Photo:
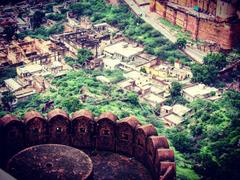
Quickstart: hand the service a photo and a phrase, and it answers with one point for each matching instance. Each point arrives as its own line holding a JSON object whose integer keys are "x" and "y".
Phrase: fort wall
{"x": 83, "y": 131}
{"x": 223, "y": 31}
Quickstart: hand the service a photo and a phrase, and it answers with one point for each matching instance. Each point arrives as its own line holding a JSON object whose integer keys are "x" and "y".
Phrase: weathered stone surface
{"x": 111, "y": 166}
{"x": 126, "y": 136}
{"x": 50, "y": 161}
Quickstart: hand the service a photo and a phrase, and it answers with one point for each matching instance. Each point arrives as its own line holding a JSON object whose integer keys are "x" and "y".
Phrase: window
{"x": 12, "y": 134}
{"x": 58, "y": 130}
{"x": 124, "y": 136}
{"x": 139, "y": 143}
{"x": 35, "y": 131}
{"x": 82, "y": 130}
{"x": 106, "y": 132}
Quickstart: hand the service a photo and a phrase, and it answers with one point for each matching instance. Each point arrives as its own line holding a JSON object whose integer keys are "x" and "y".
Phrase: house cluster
{"x": 34, "y": 78}
{"x": 35, "y": 60}
{"x": 39, "y": 60}
{"x": 15, "y": 15}
{"x": 151, "y": 79}
{"x": 84, "y": 35}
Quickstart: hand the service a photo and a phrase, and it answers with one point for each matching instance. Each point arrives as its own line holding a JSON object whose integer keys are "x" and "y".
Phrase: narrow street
{"x": 153, "y": 19}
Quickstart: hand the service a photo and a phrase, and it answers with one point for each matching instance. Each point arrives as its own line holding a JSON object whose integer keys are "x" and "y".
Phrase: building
{"x": 12, "y": 85}
{"x": 103, "y": 79}
{"x": 166, "y": 71}
{"x": 122, "y": 51}
{"x": 173, "y": 115}
{"x": 153, "y": 99}
{"x": 110, "y": 64}
{"x": 199, "y": 91}
{"x": 209, "y": 20}
{"x": 29, "y": 70}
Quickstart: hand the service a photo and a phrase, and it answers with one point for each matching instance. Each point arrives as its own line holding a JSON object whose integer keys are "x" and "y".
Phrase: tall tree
{"x": 181, "y": 43}
{"x": 10, "y": 32}
{"x": 7, "y": 100}
{"x": 176, "y": 89}
{"x": 83, "y": 55}
{"x": 37, "y": 19}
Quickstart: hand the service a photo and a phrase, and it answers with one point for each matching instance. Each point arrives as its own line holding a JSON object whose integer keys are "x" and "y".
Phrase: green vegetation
{"x": 181, "y": 43}
{"x": 210, "y": 137}
{"x": 175, "y": 95}
{"x": 133, "y": 28}
{"x": 56, "y": 17}
{"x": 7, "y": 100}
{"x": 49, "y": 7}
{"x": 43, "y": 32}
{"x": 82, "y": 57}
{"x": 6, "y": 73}
{"x": 180, "y": 33}
{"x": 37, "y": 19}
{"x": 207, "y": 73}
{"x": 10, "y": 32}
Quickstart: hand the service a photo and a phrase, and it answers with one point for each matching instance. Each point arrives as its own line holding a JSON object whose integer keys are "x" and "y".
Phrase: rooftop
{"x": 199, "y": 90}
{"x": 30, "y": 68}
{"x": 12, "y": 84}
{"x": 124, "y": 49}
{"x": 173, "y": 119}
{"x": 153, "y": 99}
{"x": 180, "y": 110}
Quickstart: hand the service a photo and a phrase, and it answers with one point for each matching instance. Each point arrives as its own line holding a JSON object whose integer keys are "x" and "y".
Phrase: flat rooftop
{"x": 173, "y": 119}
{"x": 31, "y": 68}
{"x": 180, "y": 110}
{"x": 12, "y": 84}
{"x": 124, "y": 49}
{"x": 199, "y": 89}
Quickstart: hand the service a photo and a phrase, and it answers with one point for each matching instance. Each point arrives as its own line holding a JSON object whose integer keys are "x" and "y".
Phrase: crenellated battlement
{"x": 84, "y": 131}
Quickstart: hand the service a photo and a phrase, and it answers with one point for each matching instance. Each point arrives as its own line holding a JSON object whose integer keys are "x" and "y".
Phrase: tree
{"x": 7, "y": 100}
{"x": 208, "y": 72}
{"x": 176, "y": 89}
{"x": 83, "y": 55}
{"x": 10, "y": 32}
{"x": 181, "y": 43}
{"x": 37, "y": 19}
{"x": 56, "y": 17}
{"x": 218, "y": 60}
{"x": 132, "y": 98}
{"x": 143, "y": 69}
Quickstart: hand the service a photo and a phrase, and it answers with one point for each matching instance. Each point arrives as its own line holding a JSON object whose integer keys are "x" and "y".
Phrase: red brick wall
{"x": 181, "y": 19}
{"x": 171, "y": 15}
{"x": 125, "y": 137}
{"x": 226, "y": 35}
{"x": 192, "y": 25}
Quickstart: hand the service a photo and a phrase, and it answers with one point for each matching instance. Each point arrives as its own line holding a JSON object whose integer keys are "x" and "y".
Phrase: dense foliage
{"x": 175, "y": 95}
{"x": 37, "y": 19}
{"x": 210, "y": 137}
{"x": 56, "y": 17}
{"x": 7, "y": 72}
{"x": 43, "y": 32}
{"x": 207, "y": 73}
{"x": 80, "y": 90}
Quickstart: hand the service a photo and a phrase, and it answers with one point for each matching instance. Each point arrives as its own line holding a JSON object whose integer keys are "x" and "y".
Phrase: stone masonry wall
{"x": 82, "y": 130}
